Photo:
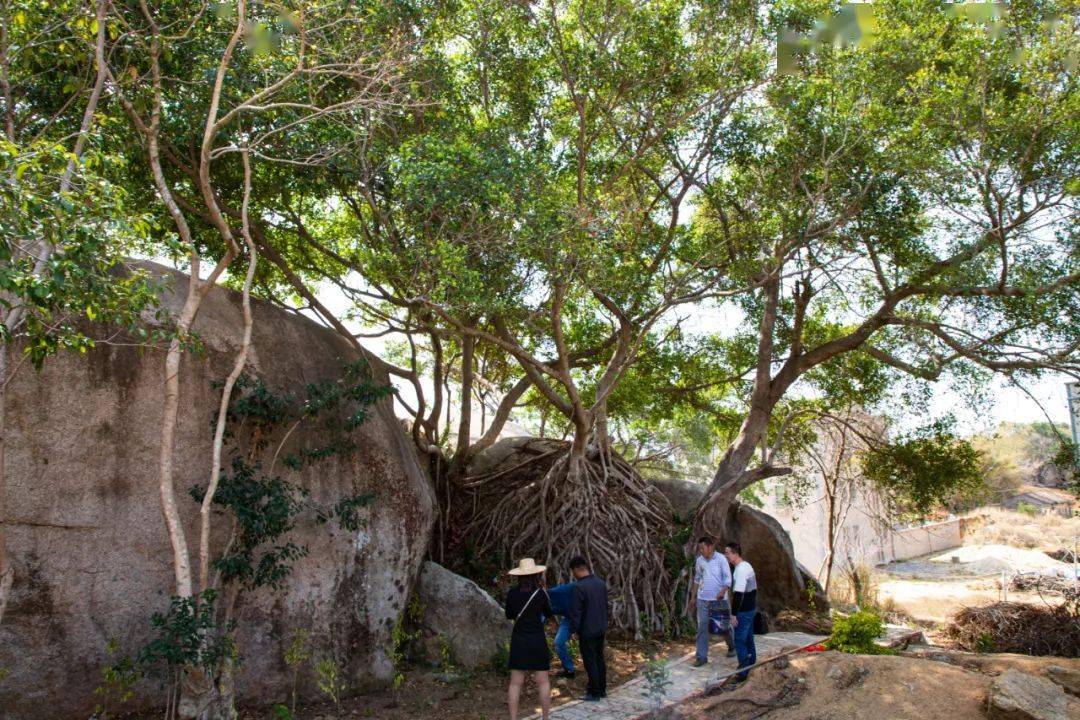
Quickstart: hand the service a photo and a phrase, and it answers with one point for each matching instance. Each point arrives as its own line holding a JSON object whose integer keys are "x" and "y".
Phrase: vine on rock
{"x": 194, "y": 650}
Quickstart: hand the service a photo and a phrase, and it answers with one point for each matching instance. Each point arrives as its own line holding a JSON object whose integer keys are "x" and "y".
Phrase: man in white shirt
{"x": 743, "y": 606}
{"x": 712, "y": 582}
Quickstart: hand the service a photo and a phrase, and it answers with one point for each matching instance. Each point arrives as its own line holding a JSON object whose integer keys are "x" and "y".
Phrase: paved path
{"x": 629, "y": 701}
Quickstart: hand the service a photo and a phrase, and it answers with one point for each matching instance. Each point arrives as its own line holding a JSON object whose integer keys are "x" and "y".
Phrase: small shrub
{"x": 984, "y": 643}
{"x": 500, "y": 662}
{"x": 657, "y": 676}
{"x": 330, "y": 681}
{"x": 401, "y": 636}
{"x": 295, "y": 656}
{"x": 118, "y": 677}
{"x": 857, "y": 633}
{"x": 1027, "y": 509}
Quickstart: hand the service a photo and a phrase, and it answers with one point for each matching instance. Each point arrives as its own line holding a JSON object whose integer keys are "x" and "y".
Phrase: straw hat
{"x": 528, "y": 566}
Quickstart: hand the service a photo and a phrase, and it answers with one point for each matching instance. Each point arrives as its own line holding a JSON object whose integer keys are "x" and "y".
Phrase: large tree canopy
{"x": 642, "y": 222}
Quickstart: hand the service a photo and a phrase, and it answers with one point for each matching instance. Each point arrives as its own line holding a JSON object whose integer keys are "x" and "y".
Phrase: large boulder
{"x": 1019, "y": 696}
{"x": 683, "y": 495}
{"x": 87, "y": 541}
{"x": 782, "y": 581}
{"x": 458, "y": 615}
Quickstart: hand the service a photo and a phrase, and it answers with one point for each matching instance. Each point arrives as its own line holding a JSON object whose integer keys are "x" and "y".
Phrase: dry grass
{"x": 996, "y": 526}
{"x": 858, "y": 586}
{"x": 1017, "y": 628}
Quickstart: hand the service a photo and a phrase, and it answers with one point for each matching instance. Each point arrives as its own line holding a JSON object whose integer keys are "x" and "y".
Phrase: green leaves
{"x": 923, "y": 471}
{"x": 92, "y": 231}
{"x": 266, "y": 507}
{"x": 187, "y": 636}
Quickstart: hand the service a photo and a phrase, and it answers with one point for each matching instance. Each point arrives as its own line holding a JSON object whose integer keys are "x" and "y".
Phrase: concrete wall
{"x": 920, "y": 540}
{"x": 862, "y": 536}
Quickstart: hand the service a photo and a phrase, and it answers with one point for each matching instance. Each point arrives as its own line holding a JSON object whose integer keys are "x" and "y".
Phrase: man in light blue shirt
{"x": 710, "y": 588}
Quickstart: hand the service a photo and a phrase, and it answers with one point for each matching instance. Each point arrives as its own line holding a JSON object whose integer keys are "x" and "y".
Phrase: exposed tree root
{"x": 598, "y": 506}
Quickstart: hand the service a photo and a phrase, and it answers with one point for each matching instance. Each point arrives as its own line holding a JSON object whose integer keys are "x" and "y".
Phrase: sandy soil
{"x": 978, "y": 561}
{"x": 936, "y": 601}
{"x": 832, "y": 686}
{"x": 933, "y": 588}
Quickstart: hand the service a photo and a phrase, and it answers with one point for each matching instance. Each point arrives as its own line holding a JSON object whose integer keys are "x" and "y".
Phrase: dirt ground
{"x": 932, "y": 589}
{"x": 434, "y": 693}
{"x": 833, "y": 686}
{"x": 936, "y": 601}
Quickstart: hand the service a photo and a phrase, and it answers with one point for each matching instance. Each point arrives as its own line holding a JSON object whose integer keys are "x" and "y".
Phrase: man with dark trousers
{"x": 588, "y": 620}
{"x": 744, "y": 589}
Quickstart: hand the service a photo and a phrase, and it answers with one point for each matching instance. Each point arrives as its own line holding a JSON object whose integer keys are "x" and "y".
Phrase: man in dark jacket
{"x": 588, "y": 620}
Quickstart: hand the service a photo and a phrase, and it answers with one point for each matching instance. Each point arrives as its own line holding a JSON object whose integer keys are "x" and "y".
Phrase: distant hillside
{"x": 1021, "y": 453}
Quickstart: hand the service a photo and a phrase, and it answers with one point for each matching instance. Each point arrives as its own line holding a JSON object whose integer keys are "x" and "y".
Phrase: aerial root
{"x": 597, "y": 506}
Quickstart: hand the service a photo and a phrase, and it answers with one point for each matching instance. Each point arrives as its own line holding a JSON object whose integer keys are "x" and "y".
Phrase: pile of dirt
{"x": 1017, "y": 628}
{"x": 833, "y": 686}
{"x": 978, "y": 561}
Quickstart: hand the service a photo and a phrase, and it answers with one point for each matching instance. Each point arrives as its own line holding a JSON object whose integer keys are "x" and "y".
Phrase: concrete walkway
{"x": 629, "y": 700}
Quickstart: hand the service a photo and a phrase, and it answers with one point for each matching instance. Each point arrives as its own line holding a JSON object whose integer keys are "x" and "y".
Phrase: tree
{"x": 907, "y": 203}
{"x": 280, "y": 77}
{"x": 66, "y": 229}
{"x": 535, "y": 214}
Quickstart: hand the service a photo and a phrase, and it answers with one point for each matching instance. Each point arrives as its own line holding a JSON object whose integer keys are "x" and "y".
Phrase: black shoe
{"x": 700, "y": 663}
{"x": 730, "y": 653}
{"x": 591, "y": 698}
{"x": 568, "y": 674}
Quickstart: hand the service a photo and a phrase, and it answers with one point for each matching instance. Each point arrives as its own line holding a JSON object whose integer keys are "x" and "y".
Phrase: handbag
{"x": 761, "y": 623}
{"x": 719, "y": 618}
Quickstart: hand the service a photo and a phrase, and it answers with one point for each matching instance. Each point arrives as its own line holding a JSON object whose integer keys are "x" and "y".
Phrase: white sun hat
{"x": 528, "y": 566}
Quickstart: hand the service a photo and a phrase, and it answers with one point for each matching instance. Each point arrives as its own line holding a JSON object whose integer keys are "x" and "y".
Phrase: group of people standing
{"x": 724, "y": 590}
{"x": 583, "y": 604}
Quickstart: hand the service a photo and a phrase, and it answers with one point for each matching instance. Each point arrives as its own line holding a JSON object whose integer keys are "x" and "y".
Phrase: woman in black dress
{"x": 527, "y": 605}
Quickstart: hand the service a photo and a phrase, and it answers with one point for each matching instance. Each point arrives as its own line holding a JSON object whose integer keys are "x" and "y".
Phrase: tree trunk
{"x": 830, "y": 558}
{"x": 203, "y": 697}
{"x": 6, "y": 573}
{"x": 731, "y": 475}
{"x": 226, "y": 392}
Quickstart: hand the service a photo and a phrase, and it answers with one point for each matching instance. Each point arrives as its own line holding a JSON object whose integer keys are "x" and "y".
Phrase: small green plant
{"x": 296, "y": 655}
{"x": 280, "y": 712}
{"x": 330, "y": 681}
{"x": 811, "y": 594}
{"x": 657, "y": 674}
{"x": 500, "y": 662}
{"x": 118, "y": 676}
{"x": 1027, "y": 509}
{"x": 401, "y": 636}
{"x": 985, "y": 643}
{"x": 4, "y": 672}
{"x": 857, "y": 633}
{"x": 446, "y": 654}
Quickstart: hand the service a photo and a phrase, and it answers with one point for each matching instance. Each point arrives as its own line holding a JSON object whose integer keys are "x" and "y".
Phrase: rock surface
{"x": 88, "y": 545}
{"x": 1019, "y": 696}
{"x": 1067, "y": 678}
{"x": 456, "y": 611}
{"x": 682, "y": 494}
